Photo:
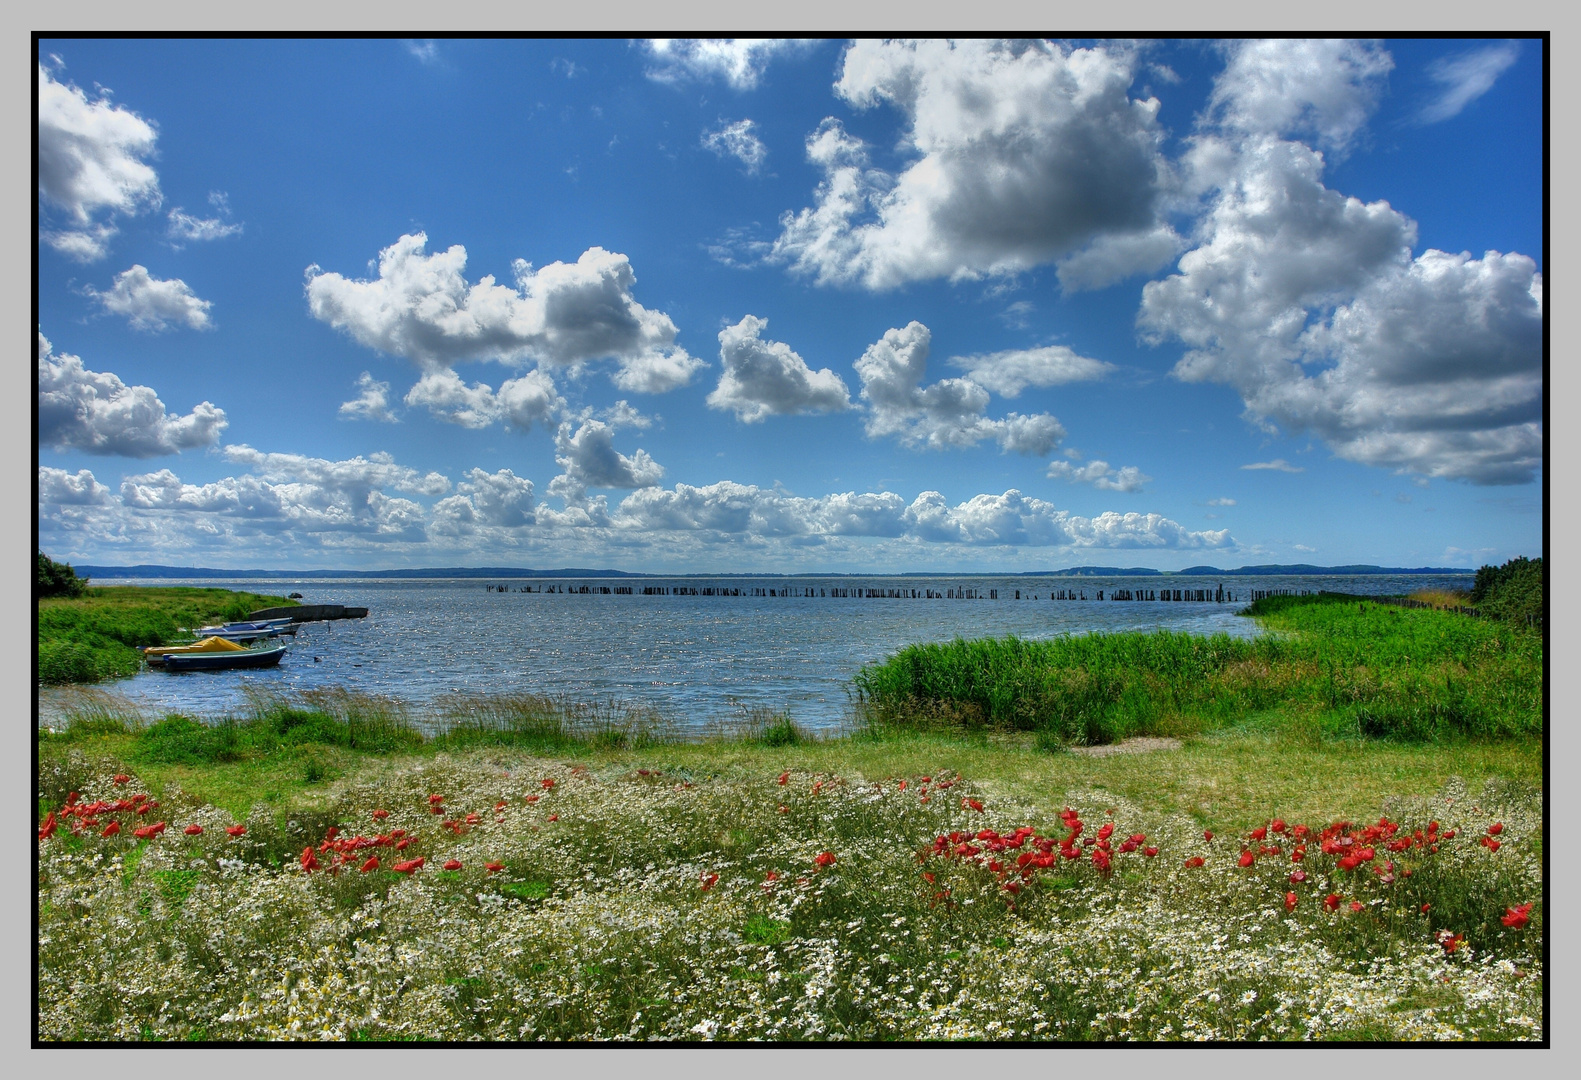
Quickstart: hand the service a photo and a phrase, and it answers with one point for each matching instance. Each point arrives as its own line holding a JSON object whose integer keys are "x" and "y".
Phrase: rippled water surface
{"x": 703, "y": 660}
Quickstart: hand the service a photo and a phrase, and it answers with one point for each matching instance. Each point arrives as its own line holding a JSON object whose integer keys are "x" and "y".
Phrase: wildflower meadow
{"x": 491, "y": 894}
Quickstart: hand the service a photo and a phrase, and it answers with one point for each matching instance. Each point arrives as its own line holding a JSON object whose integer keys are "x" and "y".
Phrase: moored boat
{"x": 156, "y": 654}
{"x": 268, "y": 656}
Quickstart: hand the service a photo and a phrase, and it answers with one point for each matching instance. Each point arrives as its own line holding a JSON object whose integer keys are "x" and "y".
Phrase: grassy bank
{"x": 734, "y": 890}
{"x": 1339, "y": 666}
{"x": 96, "y": 636}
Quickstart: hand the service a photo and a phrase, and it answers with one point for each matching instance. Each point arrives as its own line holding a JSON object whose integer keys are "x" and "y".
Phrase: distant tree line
{"x": 58, "y": 579}
{"x": 1513, "y": 591}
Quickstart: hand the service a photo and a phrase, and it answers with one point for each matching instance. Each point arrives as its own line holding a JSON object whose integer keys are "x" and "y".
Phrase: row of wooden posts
{"x": 835, "y": 592}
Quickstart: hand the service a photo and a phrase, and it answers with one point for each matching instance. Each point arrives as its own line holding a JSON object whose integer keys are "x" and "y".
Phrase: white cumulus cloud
{"x": 1021, "y": 154}
{"x": 91, "y": 165}
{"x": 96, "y": 412}
{"x": 1326, "y": 88}
{"x": 589, "y": 459}
{"x": 153, "y": 304}
{"x": 737, "y": 141}
{"x": 500, "y": 500}
{"x": 768, "y": 377}
{"x": 948, "y": 413}
{"x": 1010, "y": 372}
{"x": 57, "y": 487}
{"x": 740, "y": 62}
{"x": 1312, "y": 307}
{"x": 563, "y": 315}
{"x": 371, "y": 403}
{"x": 521, "y": 402}
{"x": 1100, "y": 475}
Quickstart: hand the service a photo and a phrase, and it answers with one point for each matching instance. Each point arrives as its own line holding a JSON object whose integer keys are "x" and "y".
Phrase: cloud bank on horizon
{"x": 992, "y": 268}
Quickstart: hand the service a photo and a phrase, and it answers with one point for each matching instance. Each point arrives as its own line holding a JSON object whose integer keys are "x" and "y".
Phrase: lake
{"x": 778, "y": 643}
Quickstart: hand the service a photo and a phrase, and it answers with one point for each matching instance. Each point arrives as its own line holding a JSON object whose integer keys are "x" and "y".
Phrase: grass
{"x": 96, "y": 636}
{"x": 1344, "y": 664}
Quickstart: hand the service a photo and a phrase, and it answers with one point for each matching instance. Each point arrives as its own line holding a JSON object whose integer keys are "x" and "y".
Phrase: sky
{"x": 789, "y": 306}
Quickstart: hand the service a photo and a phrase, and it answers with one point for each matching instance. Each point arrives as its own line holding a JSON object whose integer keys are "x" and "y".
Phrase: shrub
{"x": 58, "y": 579}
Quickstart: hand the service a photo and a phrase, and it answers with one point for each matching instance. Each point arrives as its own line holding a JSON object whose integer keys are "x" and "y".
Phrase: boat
{"x": 244, "y": 632}
{"x": 268, "y": 656}
{"x": 156, "y": 654}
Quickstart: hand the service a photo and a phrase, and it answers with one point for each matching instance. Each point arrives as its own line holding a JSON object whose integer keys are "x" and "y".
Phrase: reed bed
{"x": 1353, "y": 667}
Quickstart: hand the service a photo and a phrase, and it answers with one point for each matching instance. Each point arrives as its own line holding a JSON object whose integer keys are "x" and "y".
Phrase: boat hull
{"x": 247, "y": 658}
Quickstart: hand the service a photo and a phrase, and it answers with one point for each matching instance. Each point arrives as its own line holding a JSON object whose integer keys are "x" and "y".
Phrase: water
{"x": 704, "y": 661}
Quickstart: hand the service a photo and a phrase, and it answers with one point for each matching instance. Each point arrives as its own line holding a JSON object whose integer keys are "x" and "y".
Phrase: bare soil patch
{"x": 1140, "y": 744}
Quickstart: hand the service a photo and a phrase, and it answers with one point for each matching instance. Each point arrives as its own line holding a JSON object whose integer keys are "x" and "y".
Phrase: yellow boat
{"x": 155, "y": 654}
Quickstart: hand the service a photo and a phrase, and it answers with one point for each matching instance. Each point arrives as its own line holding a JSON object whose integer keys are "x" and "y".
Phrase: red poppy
{"x": 371, "y": 864}
{"x": 453, "y": 864}
{"x": 472, "y": 819}
{"x": 1290, "y": 901}
{"x": 71, "y": 798}
{"x": 435, "y": 800}
{"x": 1246, "y": 859}
{"x": 1107, "y": 831}
{"x": 784, "y": 810}
{"x": 144, "y": 833}
{"x": 400, "y": 845}
{"x": 1150, "y": 851}
{"x": 1496, "y": 828}
{"x": 554, "y": 817}
{"x": 1277, "y": 825}
{"x": 1450, "y": 835}
{"x": 309, "y": 860}
{"x": 1450, "y": 942}
{"x": 974, "y": 804}
{"x": 1100, "y": 859}
{"x": 408, "y": 867}
{"x": 1426, "y": 908}
{"x": 817, "y": 786}
{"x": 902, "y": 785}
{"x": 1297, "y": 877}
{"x": 493, "y": 867}
{"x": 120, "y": 778}
{"x": 784, "y": 778}
{"x": 1195, "y": 860}
{"x": 236, "y": 830}
{"x": 1260, "y": 833}
{"x": 547, "y": 782}
{"x": 111, "y": 829}
{"x": 1356, "y": 905}
{"x": 708, "y": 881}
{"x": 1490, "y": 843}
{"x": 823, "y": 859}
{"x": 47, "y": 830}
{"x": 1207, "y": 834}
{"x": 381, "y": 814}
{"x": 1331, "y": 901}
{"x": 436, "y": 809}
{"x": 193, "y": 830}
{"x": 1516, "y": 917}
{"x": 531, "y": 798}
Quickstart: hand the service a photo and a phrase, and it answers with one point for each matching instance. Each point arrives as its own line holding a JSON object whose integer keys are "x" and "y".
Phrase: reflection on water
{"x": 702, "y": 660}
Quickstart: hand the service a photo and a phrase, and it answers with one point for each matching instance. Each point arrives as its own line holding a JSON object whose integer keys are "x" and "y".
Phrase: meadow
{"x": 325, "y": 867}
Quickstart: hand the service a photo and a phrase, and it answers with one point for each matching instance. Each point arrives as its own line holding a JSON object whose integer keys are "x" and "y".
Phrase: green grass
{"x": 1340, "y": 665}
{"x": 96, "y": 636}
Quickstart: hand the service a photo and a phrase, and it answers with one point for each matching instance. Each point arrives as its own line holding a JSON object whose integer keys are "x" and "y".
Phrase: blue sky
{"x": 813, "y": 306}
